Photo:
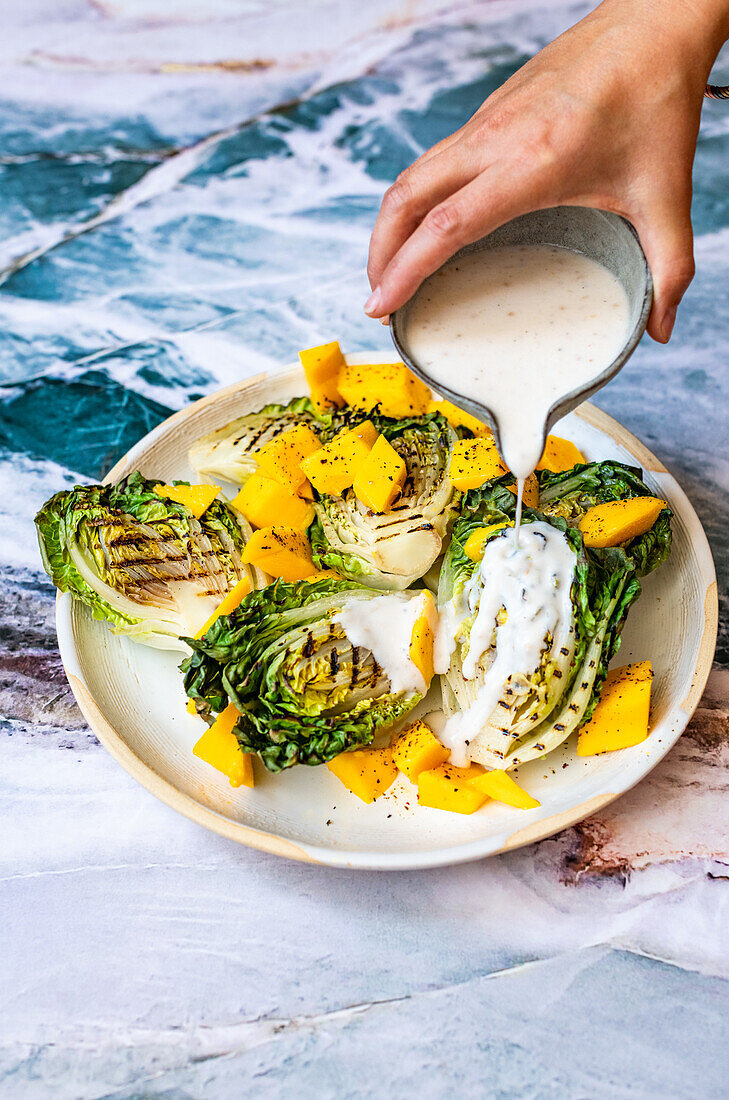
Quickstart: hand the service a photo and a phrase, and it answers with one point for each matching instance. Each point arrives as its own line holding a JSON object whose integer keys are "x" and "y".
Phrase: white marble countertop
{"x": 187, "y": 185}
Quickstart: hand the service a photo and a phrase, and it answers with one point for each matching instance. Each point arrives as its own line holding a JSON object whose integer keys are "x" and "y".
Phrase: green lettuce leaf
{"x": 571, "y": 493}
{"x": 565, "y": 690}
{"x": 229, "y": 452}
{"x": 393, "y": 550}
{"x": 304, "y": 693}
{"x": 141, "y": 562}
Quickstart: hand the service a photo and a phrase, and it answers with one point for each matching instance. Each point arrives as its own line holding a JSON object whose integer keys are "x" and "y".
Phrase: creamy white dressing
{"x": 530, "y": 581}
{"x": 450, "y": 617}
{"x": 516, "y": 329}
{"x": 384, "y": 625}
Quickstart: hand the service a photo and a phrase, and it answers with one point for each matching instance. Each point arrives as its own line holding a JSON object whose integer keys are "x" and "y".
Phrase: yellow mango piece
{"x": 474, "y": 545}
{"x": 191, "y": 708}
{"x": 281, "y": 552}
{"x": 620, "y": 719}
{"x": 416, "y": 749}
{"x": 237, "y": 593}
{"x": 368, "y": 773}
{"x": 197, "y": 498}
{"x": 502, "y": 788}
{"x": 219, "y": 747}
{"x": 474, "y": 462}
{"x": 288, "y": 567}
{"x": 530, "y": 493}
{"x": 321, "y": 367}
{"x": 265, "y": 502}
{"x": 281, "y": 458}
{"x": 389, "y": 385}
{"x": 619, "y": 521}
{"x": 380, "y": 477}
{"x": 450, "y": 788}
{"x": 559, "y": 454}
{"x": 459, "y": 418}
{"x": 422, "y": 639}
{"x": 333, "y": 468}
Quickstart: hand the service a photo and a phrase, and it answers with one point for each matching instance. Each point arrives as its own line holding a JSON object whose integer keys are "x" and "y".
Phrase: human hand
{"x": 606, "y": 116}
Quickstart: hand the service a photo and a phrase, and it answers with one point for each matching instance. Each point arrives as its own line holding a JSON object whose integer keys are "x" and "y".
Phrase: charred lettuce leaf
{"x": 229, "y": 452}
{"x": 571, "y": 493}
{"x": 304, "y": 692}
{"x": 564, "y": 690}
{"x": 143, "y": 563}
{"x": 392, "y": 550}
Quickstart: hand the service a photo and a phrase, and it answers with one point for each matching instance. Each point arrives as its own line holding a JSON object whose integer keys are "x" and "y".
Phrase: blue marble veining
{"x": 187, "y": 198}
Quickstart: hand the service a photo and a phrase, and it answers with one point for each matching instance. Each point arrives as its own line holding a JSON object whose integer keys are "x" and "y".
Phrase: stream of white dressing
{"x": 531, "y": 581}
{"x": 516, "y": 329}
{"x": 384, "y": 625}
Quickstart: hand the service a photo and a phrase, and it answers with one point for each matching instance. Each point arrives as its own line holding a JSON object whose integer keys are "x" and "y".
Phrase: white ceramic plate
{"x": 133, "y": 698}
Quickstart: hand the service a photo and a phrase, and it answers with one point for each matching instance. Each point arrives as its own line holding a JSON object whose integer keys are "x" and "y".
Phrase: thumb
{"x": 667, "y": 240}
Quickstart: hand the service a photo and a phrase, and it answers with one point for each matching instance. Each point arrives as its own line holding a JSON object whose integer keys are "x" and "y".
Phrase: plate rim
{"x": 481, "y": 847}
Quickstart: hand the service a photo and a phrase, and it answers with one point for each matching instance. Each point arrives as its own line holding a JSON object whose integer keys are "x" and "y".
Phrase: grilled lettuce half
{"x": 144, "y": 564}
{"x": 229, "y": 452}
{"x": 304, "y": 692}
{"x": 536, "y": 714}
{"x": 392, "y": 550}
{"x": 571, "y": 493}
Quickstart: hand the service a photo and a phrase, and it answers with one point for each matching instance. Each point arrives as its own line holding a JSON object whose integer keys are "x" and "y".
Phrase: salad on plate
{"x": 348, "y": 588}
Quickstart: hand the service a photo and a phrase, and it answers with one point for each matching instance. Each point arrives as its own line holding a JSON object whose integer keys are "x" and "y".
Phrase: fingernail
{"x": 372, "y": 304}
{"x": 384, "y": 320}
{"x": 669, "y": 320}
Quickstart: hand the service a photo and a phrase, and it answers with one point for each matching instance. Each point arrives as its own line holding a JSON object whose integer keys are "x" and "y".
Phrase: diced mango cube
{"x": 368, "y": 773}
{"x": 288, "y": 567}
{"x": 219, "y": 747}
{"x": 619, "y": 521}
{"x": 333, "y": 468}
{"x": 380, "y": 477}
{"x": 459, "y": 418}
{"x": 197, "y": 498}
{"x": 422, "y": 639}
{"x": 474, "y": 462}
{"x": 559, "y": 454}
{"x": 450, "y": 788}
{"x": 281, "y": 458}
{"x": 229, "y": 603}
{"x": 391, "y": 386}
{"x": 502, "y": 788}
{"x": 191, "y": 708}
{"x": 416, "y": 749}
{"x": 530, "y": 495}
{"x": 265, "y": 502}
{"x": 321, "y": 367}
{"x": 474, "y": 545}
{"x": 620, "y": 719}
{"x": 281, "y": 552}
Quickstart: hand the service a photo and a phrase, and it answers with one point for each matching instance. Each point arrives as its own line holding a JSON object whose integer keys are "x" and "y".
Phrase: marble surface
{"x": 186, "y": 196}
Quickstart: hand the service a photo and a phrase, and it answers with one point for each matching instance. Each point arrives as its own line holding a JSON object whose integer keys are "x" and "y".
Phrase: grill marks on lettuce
{"x": 130, "y": 555}
{"x": 229, "y": 452}
{"x": 304, "y": 692}
{"x": 392, "y": 550}
{"x": 605, "y": 585}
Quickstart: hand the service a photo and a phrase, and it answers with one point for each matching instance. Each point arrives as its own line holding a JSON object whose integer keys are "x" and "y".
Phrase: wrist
{"x": 693, "y": 31}
{"x": 707, "y": 21}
